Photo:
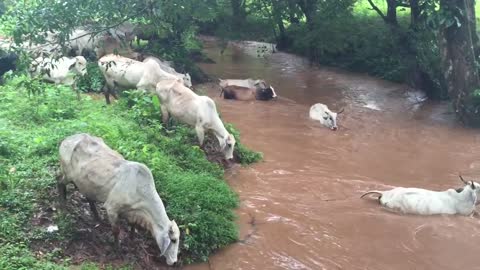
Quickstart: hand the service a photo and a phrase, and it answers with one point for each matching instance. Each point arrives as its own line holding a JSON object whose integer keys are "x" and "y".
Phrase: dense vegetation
{"x": 413, "y": 41}
{"x": 35, "y": 117}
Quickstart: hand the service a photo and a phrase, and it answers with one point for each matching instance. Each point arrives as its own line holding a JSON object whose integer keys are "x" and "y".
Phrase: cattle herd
{"x": 126, "y": 188}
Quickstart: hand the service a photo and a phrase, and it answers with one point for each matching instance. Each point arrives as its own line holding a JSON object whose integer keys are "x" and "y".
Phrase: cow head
{"x": 168, "y": 241}
{"x": 80, "y": 66}
{"x": 260, "y": 84}
{"x": 474, "y": 185}
{"x": 330, "y": 119}
{"x": 227, "y": 145}
{"x": 187, "y": 80}
{"x": 264, "y": 91}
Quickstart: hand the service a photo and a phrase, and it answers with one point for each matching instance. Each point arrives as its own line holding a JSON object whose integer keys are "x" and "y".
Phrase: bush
{"x": 355, "y": 42}
{"x": 93, "y": 81}
{"x": 32, "y": 127}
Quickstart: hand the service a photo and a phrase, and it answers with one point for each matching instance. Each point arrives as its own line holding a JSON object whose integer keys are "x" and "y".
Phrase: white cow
{"x": 427, "y": 202}
{"x": 321, "y": 113}
{"x": 167, "y": 66}
{"x": 127, "y": 73}
{"x": 194, "y": 110}
{"x": 126, "y": 189}
{"x": 61, "y": 71}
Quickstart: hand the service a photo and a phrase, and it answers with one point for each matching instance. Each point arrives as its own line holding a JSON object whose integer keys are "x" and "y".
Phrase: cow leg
{"x": 106, "y": 92}
{"x": 132, "y": 231}
{"x": 113, "y": 91}
{"x": 200, "y": 133}
{"x": 62, "y": 193}
{"x": 114, "y": 94}
{"x": 113, "y": 218}
{"x": 109, "y": 88}
{"x": 75, "y": 88}
{"x": 116, "y": 234}
{"x": 93, "y": 208}
{"x": 165, "y": 115}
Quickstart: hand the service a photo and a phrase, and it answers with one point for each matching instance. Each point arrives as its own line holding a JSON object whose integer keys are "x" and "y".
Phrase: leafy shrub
{"x": 93, "y": 81}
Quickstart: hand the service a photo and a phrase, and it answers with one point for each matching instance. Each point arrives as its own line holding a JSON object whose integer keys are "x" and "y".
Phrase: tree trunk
{"x": 282, "y": 39}
{"x": 239, "y": 13}
{"x": 458, "y": 60}
{"x": 308, "y": 7}
{"x": 415, "y": 11}
{"x": 391, "y": 17}
{"x": 291, "y": 13}
{"x": 473, "y": 28}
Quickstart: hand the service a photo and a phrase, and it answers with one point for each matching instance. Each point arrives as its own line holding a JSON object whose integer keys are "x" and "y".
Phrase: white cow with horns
{"x": 321, "y": 113}
{"x": 194, "y": 110}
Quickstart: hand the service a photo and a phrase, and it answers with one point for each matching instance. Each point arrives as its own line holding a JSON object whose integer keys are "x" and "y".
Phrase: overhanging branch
{"x": 377, "y": 10}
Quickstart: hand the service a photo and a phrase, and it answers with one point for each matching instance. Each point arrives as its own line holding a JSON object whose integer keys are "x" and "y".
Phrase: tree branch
{"x": 93, "y": 33}
{"x": 374, "y": 7}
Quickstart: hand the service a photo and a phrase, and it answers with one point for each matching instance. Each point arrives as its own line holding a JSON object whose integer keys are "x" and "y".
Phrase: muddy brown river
{"x": 300, "y": 207}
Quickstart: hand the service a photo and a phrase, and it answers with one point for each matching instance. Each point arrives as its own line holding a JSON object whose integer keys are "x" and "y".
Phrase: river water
{"x": 300, "y": 207}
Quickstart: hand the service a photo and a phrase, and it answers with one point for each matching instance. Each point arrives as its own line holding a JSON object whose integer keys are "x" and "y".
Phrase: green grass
{"x": 31, "y": 128}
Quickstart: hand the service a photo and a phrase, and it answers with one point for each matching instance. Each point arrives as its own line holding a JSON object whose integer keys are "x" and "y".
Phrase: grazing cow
{"x": 167, "y": 66}
{"x": 126, "y": 73}
{"x": 247, "y": 89}
{"x": 194, "y": 110}
{"x": 126, "y": 189}
{"x": 61, "y": 71}
{"x": 320, "y": 112}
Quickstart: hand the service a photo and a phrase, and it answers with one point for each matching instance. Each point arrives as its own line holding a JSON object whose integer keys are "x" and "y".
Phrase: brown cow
{"x": 247, "y": 89}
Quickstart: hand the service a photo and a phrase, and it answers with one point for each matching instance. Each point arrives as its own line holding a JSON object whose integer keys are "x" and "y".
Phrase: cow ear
{"x": 165, "y": 242}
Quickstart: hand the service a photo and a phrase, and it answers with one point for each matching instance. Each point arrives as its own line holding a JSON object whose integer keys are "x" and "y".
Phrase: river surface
{"x": 300, "y": 207}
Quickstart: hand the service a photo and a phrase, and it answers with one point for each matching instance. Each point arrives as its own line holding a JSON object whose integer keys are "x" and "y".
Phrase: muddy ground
{"x": 89, "y": 240}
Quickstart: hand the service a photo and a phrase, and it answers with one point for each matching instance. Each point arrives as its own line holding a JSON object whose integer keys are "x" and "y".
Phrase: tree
{"x": 278, "y": 8}
{"x": 459, "y": 58}
{"x": 308, "y": 7}
{"x": 239, "y": 13}
{"x": 174, "y": 21}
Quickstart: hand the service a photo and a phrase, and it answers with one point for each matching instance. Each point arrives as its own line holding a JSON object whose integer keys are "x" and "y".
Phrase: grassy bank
{"x": 35, "y": 117}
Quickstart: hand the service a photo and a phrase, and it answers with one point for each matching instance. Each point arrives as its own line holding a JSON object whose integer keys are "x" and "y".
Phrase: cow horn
{"x": 463, "y": 180}
{"x": 341, "y": 111}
